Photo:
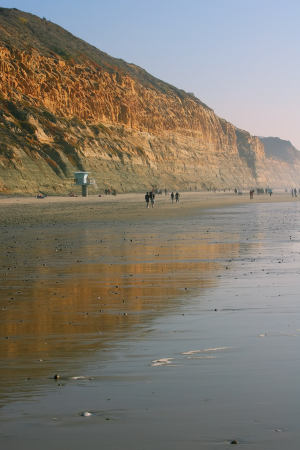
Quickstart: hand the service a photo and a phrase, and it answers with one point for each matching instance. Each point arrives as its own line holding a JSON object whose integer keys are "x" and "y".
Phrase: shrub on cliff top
{"x": 64, "y": 55}
{"x": 24, "y": 21}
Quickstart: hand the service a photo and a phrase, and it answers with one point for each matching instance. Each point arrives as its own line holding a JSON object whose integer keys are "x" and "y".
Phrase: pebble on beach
{"x": 56, "y": 377}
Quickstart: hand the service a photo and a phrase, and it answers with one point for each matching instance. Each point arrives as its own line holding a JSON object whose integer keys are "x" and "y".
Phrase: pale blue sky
{"x": 240, "y": 57}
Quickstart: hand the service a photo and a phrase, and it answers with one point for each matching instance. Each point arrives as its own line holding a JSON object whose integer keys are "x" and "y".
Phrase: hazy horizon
{"x": 241, "y": 59}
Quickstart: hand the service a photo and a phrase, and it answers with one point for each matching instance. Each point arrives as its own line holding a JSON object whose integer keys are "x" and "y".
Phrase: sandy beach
{"x": 51, "y": 210}
{"x": 170, "y": 327}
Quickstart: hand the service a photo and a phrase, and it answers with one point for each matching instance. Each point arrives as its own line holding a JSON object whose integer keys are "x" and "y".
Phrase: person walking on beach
{"x": 153, "y": 200}
{"x": 172, "y": 197}
{"x": 147, "y": 198}
{"x": 177, "y": 197}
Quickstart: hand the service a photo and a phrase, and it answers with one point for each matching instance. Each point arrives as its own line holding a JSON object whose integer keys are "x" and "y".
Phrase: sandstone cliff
{"x": 280, "y": 149}
{"x": 66, "y": 106}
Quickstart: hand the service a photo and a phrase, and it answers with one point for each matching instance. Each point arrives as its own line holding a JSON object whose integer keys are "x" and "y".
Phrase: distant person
{"x": 166, "y": 192}
{"x": 147, "y": 198}
{"x": 251, "y": 194}
{"x": 177, "y": 195}
{"x": 153, "y": 200}
{"x": 172, "y": 197}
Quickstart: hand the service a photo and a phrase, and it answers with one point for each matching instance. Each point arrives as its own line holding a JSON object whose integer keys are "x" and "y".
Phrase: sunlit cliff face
{"x": 61, "y": 114}
{"x": 59, "y": 118}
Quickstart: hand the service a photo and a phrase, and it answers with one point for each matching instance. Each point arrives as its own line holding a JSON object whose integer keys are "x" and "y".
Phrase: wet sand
{"x": 173, "y": 327}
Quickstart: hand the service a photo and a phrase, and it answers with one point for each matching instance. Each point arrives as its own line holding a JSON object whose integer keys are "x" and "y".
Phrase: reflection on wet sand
{"x": 65, "y": 296}
{"x": 168, "y": 334}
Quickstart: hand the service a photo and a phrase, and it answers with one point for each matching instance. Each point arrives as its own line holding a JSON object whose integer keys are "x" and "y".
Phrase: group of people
{"x": 260, "y": 191}
{"x": 150, "y": 198}
{"x": 294, "y": 192}
{"x": 176, "y": 196}
{"x": 110, "y": 191}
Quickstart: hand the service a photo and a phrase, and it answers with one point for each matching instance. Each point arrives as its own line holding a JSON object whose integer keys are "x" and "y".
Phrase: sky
{"x": 240, "y": 57}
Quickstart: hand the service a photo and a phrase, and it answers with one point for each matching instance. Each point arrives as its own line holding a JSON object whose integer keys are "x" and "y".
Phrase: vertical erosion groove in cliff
{"x": 63, "y": 110}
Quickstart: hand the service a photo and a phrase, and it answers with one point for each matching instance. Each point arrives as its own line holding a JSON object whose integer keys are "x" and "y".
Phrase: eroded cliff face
{"x": 60, "y": 115}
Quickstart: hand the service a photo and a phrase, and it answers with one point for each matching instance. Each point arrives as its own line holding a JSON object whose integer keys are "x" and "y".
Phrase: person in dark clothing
{"x": 147, "y": 198}
{"x": 172, "y": 197}
{"x": 177, "y": 195}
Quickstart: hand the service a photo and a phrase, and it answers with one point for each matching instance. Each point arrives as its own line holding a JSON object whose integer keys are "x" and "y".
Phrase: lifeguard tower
{"x": 81, "y": 180}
